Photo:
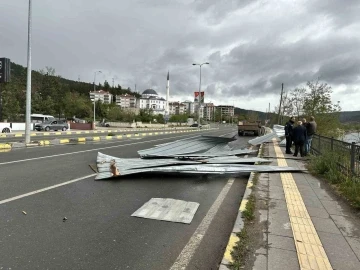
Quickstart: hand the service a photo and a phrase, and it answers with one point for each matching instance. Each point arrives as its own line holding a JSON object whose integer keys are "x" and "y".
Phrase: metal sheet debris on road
{"x": 278, "y": 132}
{"x": 199, "y": 144}
{"x": 168, "y": 210}
{"x": 214, "y": 160}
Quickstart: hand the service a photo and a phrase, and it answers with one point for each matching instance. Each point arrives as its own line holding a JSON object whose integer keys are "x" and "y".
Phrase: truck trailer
{"x": 250, "y": 127}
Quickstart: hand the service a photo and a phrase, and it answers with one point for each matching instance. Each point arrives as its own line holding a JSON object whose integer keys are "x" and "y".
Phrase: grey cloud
{"x": 137, "y": 42}
{"x": 218, "y": 10}
{"x": 342, "y": 13}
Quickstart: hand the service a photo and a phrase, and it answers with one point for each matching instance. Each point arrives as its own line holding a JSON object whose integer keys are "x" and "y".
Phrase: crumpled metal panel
{"x": 109, "y": 167}
{"x": 185, "y": 146}
{"x": 283, "y": 142}
{"x": 265, "y": 138}
{"x": 218, "y": 154}
{"x": 279, "y": 130}
{"x": 233, "y": 160}
{"x": 123, "y": 164}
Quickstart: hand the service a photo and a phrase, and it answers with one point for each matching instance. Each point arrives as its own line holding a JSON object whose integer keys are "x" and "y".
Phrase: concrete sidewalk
{"x": 304, "y": 225}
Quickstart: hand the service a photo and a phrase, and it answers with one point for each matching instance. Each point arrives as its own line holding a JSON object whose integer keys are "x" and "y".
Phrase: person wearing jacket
{"x": 288, "y": 134}
{"x": 299, "y": 137}
{"x": 311, "y": 130}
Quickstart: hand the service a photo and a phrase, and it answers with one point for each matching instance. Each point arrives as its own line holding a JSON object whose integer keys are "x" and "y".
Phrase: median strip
{"x": 58, "y": 141}
{"x": 46, "y": 133}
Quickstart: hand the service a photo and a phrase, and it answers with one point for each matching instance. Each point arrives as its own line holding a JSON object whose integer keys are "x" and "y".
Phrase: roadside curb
{"x": 239, "y": 222}
{"x": 52, "y": 133}
{"x": 83, "y": 140}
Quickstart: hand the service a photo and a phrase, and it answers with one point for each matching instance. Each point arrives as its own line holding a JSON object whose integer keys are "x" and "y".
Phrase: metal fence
{"x": 346, "y": 154}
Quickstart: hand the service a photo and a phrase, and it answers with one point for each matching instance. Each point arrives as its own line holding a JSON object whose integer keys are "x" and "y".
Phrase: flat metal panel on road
{"x": 168, "y": 210}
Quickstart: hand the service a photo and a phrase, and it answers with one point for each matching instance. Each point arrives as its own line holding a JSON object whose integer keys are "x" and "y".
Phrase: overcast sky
{"x": 252, "y": 46}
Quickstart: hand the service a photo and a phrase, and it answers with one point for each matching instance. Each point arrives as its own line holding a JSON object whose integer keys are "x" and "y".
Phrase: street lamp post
{"x": 28, "y": 82}
{"x": 199, "y": 97}
{"x": 95, "y": 91}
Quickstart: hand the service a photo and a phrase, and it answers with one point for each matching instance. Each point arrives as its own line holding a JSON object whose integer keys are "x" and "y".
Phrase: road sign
{"x": 5, "y": 70}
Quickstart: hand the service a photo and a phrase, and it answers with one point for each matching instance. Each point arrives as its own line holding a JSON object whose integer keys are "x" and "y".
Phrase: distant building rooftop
{"x": 150, "y": 92}
{"x": 101, "y": 92}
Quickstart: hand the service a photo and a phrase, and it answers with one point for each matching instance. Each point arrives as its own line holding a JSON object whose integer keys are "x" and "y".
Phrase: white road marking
{"x": 187, "y": 253}
{"x": 45, "y": 189}
{"x": 90, "y": 150}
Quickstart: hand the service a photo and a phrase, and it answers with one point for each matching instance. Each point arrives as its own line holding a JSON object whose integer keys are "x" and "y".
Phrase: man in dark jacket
{"x": 311, "y": 130}
{"x": 299, "y": 137}
{"x": 288, "y": 134}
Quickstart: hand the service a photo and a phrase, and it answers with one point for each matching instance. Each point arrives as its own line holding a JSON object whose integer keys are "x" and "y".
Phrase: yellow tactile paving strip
{"x": 311, "y": 253}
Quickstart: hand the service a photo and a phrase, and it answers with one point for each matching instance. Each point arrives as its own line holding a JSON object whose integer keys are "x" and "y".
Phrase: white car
{"x": 5, "y": 128}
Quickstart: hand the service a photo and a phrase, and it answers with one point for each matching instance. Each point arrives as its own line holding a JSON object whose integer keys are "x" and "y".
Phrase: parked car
{"x": 104, "y": 123}
{"x": 5, "y": 128}
{"x": 52, "y": 125}
{"x": 195, "y": 125}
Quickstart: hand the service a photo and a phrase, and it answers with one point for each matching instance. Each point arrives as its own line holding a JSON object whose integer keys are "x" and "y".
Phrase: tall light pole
{"x": 99, "y": 71}
{"x": 199, "y": 109}
{"x": 28, "y": 82}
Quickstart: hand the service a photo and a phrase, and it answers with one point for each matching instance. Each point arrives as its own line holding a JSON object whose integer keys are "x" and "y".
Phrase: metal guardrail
{"x": 347, "y": 154}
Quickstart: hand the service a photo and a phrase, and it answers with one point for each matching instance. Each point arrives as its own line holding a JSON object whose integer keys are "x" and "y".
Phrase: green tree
{"x": 160, "y": 119}
{"x": 252, "y": 116}
{"x": 11, "y": 106}
{"x": 115, "y": 114}
{"x": 318, "y": 104}
{"x": 78, "y": 106}
{"x": 145, "y": 115}
{"x": 297, "y": 98}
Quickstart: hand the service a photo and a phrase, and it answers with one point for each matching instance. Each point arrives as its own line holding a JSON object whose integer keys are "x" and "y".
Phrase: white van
{"x": 41, "y": 118}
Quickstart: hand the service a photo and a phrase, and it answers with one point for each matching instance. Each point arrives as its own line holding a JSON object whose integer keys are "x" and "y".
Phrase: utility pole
{"x": 113, "y": 82}
{"x": 281, "y": 95}
{"x": 28, "y": 82}
{"x": 99, "y": 71}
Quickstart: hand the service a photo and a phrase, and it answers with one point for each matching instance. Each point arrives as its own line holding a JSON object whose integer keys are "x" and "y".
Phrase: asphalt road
{"x": 99, "y": 232}
{"x": 66, "y": 136}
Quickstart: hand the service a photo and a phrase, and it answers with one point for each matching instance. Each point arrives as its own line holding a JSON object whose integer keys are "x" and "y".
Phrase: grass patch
{"x": 111, "y": 134}
{"x": 347, "y": 186}
{"x": 262, "y": 150}
{"x": 255, "y": 178}
{"x": 249, "y": 213}
{"x": 240, "y": 250}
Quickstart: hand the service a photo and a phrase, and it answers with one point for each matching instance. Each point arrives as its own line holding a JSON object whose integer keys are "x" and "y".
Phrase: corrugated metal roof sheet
{"x": 202, "y": 169}
{"x": 217, "y": 165}
{"x": 185, "y": 146}
{"x": 264, "y": 138}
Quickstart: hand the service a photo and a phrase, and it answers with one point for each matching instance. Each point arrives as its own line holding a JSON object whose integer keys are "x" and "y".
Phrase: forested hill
{"x": 18, "y": 73}
{"x": 350, "y": 117}
{"x": 51, "y": 94}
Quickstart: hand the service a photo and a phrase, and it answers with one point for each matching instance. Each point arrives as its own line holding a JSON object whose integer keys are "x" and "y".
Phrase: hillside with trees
{"x": 54, "y": 95}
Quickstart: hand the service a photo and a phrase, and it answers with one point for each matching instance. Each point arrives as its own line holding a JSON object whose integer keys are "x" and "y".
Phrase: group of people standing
{"x": 299, "y": 134}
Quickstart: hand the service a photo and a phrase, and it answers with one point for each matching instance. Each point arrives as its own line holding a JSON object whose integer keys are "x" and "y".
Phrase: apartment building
{"x": 126, "y": 101}
{"x": 177, "y": 108}
{"x": 226, "y": 110}
{"x": 189, "y": 107}
{"x": 104, "y": 96}
{"x": 209, "y": 111}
